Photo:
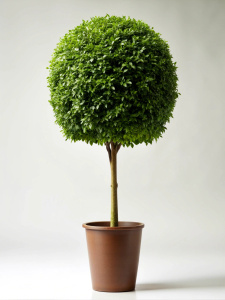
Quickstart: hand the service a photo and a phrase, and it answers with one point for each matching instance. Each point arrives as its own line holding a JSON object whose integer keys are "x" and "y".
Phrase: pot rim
{"x": 105, "y": 225}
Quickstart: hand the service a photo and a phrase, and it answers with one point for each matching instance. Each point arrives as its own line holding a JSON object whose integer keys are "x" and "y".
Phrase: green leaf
{"x": 112, "y": 79}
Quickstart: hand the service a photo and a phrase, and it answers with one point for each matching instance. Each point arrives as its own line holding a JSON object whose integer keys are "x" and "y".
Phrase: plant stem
{"x": 114, "y": 185}
{"x": 113, "y": 149}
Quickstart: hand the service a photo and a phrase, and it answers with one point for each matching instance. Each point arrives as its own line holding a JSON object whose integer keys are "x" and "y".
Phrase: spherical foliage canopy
{"x": 112, "y": 79}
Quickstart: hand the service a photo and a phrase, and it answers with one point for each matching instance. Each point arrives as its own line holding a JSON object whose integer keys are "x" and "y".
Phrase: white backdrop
{"x": 50, "y": 186}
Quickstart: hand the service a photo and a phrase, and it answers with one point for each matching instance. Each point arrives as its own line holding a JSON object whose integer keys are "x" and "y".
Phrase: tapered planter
{"x": 113, "y": 255}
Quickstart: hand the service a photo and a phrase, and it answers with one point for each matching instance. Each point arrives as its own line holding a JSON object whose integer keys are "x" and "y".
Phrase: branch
{"x": 109, "y": 150}
{"x": 118, "y": 148}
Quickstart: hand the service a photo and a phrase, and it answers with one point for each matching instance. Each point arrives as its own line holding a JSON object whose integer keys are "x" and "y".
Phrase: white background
{"x": 49, "y": 186}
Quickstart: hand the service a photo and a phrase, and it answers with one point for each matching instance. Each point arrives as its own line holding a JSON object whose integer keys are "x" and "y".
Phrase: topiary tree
{"x": 112, "y": 82}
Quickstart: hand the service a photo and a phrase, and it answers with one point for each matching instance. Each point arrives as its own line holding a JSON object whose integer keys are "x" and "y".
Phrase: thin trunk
{"x": 114, "y": 185}
{"x": 113, "y": 149}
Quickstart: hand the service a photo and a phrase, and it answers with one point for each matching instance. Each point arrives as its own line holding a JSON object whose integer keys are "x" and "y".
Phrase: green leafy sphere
{"x": 112, "y": 79}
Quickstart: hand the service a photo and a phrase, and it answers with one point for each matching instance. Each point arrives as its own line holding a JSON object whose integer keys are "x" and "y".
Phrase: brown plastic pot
{"x": 113, "y": 255}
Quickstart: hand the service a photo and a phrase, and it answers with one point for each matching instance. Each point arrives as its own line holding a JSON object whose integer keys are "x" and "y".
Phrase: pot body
{"x": 113, "y": 255}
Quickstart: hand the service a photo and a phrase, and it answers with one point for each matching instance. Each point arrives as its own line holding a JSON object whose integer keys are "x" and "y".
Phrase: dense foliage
{"x": 112, "y": 79}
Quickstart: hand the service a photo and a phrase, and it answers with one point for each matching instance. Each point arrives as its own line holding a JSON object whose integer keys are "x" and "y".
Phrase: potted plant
{"x": 113, "y": 82}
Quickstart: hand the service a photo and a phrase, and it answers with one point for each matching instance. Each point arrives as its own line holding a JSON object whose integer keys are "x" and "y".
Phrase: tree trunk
{"x": 113, "y": 149}
{"x": 114, "y": 185}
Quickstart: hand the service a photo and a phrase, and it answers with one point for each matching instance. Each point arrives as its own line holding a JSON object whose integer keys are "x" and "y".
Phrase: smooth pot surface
{"x": 113, "y": 255}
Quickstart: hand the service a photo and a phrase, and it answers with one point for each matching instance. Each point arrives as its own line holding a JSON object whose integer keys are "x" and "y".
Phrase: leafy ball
{"x": 112, "y": 79}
